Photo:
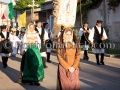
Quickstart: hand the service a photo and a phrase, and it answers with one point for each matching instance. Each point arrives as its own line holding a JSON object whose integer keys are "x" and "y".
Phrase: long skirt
{"x": 67, "y": 80}
{"x": 32, "y": 66}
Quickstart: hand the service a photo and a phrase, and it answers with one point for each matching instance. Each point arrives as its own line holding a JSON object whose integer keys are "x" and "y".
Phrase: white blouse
{"x": 31, "y": 38}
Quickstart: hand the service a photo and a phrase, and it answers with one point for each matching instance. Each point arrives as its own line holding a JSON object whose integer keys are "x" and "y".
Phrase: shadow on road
{"x": 14, "y": 74}
{"x": 106, "y": 67}
{"x": 16, "y": 58}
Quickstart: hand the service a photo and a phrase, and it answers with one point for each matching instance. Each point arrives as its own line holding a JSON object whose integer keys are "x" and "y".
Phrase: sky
{"x": 7, "y": 1}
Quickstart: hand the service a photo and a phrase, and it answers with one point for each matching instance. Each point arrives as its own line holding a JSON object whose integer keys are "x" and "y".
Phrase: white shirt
{"x": 81, "y": 31}
{"x": 91, "y": 35}
{"x": 14, "y": 38}
{"x": 39, "y": 30}
{"x": 59, "y": 33}
{"x": 46, "y": 34}
{"x": 5, "y": 34}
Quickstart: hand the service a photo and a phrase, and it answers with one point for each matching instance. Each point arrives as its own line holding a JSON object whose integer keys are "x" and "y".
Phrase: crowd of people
{"x": 34, "y": 56}
{"x": 31, "y": 44}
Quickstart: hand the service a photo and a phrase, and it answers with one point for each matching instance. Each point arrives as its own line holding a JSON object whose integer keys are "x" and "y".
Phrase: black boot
{"x": 85, "y": 57}
{"x": 97, "y": 59}
{"x": 31, "y": 83}
{"x": 37, "y": 83}
{"x": 48, "y": 57}
{"x": 102, "y": 58}
{"x": 4, "y": 62}
{"x": 44, "y": 62}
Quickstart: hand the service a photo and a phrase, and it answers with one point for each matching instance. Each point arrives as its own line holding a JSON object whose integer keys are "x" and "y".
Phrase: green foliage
{"x": 23, "y": 4}
{"x": 76, "y": 33}
{"x": 113, "y": 3}
{"x": 86, "y": 6}
{"x": 111, "y": 51}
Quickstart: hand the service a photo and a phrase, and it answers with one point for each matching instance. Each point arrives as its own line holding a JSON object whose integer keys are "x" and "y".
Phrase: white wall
{"x": 95, "y": 14}
{"x": 110, "y": 19}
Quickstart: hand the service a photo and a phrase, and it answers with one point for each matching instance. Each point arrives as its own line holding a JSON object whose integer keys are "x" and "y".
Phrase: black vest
{"x": 2, "y": 36}
{"x": 43, "y": 47}
{"x": 6, "y": 44}
{"x": 97, "y": 38}
{"x": 42, "y": 34}
{"x": 84, "y": 38}
{"x": 17, "y": 33}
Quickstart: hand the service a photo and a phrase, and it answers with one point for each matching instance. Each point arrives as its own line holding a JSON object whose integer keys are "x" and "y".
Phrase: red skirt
{"x": 67, "y": 80}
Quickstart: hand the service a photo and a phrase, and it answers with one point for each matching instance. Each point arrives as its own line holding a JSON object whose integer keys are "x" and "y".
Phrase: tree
{"x": 86, "y": 6}
{"x": 56, "y": 28}
{"x": 23, "y": 4}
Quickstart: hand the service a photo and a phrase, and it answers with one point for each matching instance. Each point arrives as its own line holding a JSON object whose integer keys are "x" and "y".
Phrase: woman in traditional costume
{"x": 31, "y": 64}
{"x": 68, "y": 54}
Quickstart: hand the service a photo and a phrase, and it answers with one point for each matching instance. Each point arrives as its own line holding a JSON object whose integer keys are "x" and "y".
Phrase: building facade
{"x": 2, "y": 9}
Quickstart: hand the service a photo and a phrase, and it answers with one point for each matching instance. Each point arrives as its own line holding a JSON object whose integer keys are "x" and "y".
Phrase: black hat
{"x": 99, "y": 21}
{"x": 44, "y": 24}
{"x": 85, "y": 22}
{"x": 38, "y": 21}
{"x": 3, "y": 27}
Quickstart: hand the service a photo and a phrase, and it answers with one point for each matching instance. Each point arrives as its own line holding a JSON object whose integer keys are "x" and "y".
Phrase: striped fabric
{"x": 69, "y": 81}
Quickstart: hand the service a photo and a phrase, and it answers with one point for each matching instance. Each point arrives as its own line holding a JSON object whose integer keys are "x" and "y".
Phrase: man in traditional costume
{"x": 97, "y": 36}
{"x": 48, "y": 40}
{"x": 62, "y": 29}
{"x": 43, "y": 37}
{"x": 84, "y": 33}
{"x": 5, "y": 47}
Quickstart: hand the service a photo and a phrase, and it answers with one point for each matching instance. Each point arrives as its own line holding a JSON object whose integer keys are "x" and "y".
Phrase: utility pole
{"x": 33, "y": 5}
{"x": 81, "y": 15}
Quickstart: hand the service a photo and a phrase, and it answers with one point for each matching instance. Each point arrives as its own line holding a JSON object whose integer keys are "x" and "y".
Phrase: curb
{"x": 108, "y": 55}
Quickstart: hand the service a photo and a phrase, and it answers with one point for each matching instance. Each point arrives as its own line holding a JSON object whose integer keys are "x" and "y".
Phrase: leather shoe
{"x": 102, "y": 63}
{"x": 45, "y": 67}
{"x": 31, "y": 83}
{"x": 48, "y": 61}
{"x": 5, "y": 66}
{"x": 36, "y": 83}
{"x": 98, "y": 63}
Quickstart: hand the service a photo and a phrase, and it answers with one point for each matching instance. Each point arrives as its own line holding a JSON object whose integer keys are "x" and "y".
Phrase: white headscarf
{"x": 28, "y": 28}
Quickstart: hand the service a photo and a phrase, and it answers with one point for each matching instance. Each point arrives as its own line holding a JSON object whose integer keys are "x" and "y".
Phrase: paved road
{"x": 92, "y": 76}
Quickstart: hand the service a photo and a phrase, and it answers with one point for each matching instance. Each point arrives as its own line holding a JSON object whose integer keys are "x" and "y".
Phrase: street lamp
{"x": 33, "y": 5}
